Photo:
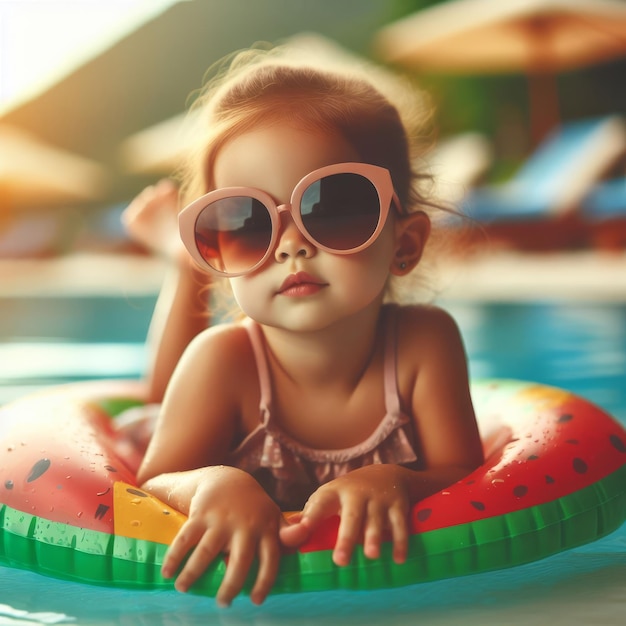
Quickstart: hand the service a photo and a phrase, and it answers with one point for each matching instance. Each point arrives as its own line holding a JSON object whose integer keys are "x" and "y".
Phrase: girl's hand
{"x": 230, "y": 513}
{"x": 372, "y": 502}
{"x": 151, "y": 219}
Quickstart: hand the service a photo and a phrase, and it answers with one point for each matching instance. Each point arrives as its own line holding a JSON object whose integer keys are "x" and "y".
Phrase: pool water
{"x": 46, "y": 340}
{"x": 578, "y": 346}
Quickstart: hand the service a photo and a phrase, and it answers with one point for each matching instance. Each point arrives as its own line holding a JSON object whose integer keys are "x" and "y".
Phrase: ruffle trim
{"x": 293, "y": 465}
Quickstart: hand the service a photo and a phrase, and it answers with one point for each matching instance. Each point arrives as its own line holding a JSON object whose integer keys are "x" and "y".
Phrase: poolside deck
{"x": 495, "y": 276}
{"x": 515, "y": 276}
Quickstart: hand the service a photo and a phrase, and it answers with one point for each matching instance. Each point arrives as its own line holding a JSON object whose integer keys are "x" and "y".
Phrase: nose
{"x": 291, "y": 242}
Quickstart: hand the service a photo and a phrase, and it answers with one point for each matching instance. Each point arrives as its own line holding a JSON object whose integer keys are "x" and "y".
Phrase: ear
{"x": 412, "y": 232}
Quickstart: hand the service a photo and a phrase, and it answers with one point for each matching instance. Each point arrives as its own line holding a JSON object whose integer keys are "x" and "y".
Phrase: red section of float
{"x": 58, "y": 460}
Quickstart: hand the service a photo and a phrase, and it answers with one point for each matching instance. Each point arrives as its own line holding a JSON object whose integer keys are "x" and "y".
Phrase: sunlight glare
{"x": 42, "y": 40}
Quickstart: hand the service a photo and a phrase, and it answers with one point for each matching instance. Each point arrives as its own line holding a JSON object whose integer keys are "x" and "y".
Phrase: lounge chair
{"x": 604, "y": 214}
{"x": 457, "y": 164}
{"x": 550, "y": 187}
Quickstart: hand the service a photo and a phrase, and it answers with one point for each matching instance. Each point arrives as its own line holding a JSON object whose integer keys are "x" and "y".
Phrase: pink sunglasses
{"x": 339, "y": 208}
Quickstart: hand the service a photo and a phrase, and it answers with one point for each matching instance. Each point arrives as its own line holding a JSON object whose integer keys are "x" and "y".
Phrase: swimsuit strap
{"x": 392, "y": 399}
{"x": 258, "y": 346}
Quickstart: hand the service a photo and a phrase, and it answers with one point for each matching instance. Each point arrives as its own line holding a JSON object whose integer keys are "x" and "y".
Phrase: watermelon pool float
{"x": 554, "y": 478}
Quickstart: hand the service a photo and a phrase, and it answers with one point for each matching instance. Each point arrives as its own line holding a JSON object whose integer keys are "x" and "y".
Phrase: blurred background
{"x": 81, "y": 79}
{"x": 530, "y": 98}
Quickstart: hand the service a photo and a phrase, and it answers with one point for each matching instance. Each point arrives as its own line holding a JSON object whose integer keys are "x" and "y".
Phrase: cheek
{"x": 379, "y": 256}
{"x": 249, "y": 294}
{"x": 368, "y": 270}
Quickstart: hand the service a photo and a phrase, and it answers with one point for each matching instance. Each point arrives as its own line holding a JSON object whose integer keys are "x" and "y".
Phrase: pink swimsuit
{"x": 290, "y": 471}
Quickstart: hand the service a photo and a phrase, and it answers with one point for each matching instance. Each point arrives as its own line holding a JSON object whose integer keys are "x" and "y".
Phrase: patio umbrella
{"x": 536, "y": 37}
{"x": 33, "y": 172}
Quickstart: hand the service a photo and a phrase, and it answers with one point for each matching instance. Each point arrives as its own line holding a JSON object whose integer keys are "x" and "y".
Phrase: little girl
{"x": 325, "y": 397}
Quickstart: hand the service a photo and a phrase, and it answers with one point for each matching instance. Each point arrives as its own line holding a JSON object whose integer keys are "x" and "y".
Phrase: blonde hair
{"x": 265, "y": 86}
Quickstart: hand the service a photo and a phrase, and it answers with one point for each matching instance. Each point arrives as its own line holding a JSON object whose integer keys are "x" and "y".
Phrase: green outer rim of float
{"x": 94, "y": 557}
{"x": 114, "y": 406}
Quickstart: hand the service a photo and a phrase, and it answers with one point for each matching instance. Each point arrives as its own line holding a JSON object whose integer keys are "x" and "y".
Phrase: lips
{"x": 301, "y": 283}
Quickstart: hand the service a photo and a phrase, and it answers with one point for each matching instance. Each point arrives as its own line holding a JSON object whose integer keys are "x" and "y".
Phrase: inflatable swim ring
{"x": 554, "y": 478}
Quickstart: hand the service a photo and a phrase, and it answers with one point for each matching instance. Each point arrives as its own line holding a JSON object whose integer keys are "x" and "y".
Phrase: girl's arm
{"x": 375, "y": 500}
{"x": 228, "y": 511}
{"x": 180, "y": 314}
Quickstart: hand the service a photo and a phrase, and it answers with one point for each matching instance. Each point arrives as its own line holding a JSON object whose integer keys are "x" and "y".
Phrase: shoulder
{"x": 220, "y": 349}
{"x": 427, "y": 324}
{"x": 218, "y": 364}
{"x": 428, "y": 340}
{"x": 222, "y": 337}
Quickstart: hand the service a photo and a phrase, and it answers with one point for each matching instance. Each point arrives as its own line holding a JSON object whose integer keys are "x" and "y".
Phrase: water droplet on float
{"x": 79, "y": 514}
{"x": 135, "y": 522}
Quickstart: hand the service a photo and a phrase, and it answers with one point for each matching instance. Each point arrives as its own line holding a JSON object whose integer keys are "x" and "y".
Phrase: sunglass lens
{"x": 341, "y": 211}
{"x": 233, "y": 234}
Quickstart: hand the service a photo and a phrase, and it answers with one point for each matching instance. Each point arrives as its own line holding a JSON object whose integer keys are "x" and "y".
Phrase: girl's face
{"x": 300, "y": 287}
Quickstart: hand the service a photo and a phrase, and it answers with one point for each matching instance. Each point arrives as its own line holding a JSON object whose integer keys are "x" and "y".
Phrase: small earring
{"x": 402, "y": 265}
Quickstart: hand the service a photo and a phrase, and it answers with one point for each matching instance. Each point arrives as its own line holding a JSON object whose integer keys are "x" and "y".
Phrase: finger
{"x": 290, "y": 518}
{"x": 350, "y": 529}
{"x": 400, "y": 533}
{"x": 320, "y": 506}
{"x": 374, "y": 527}
{"x": 240, "y": 560}
{"x": 294, "y": 535}
{"x": 269, "y": 559}
{"x": 205, "y": 552}
{"x": 187, "y": 537}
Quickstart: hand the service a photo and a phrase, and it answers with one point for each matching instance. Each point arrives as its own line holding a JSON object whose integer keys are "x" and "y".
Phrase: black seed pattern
{"x": 617, "y": 443}
{"x": 424, "y": 514}
{"x": 101, "y": 511}
{"x": 136, "y": 492}
{"x": 37, "y": 470}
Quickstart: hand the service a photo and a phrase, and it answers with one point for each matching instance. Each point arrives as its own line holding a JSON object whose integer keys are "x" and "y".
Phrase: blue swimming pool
{"x": 46, "y": 340}
{"x": 579, "y": 346}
